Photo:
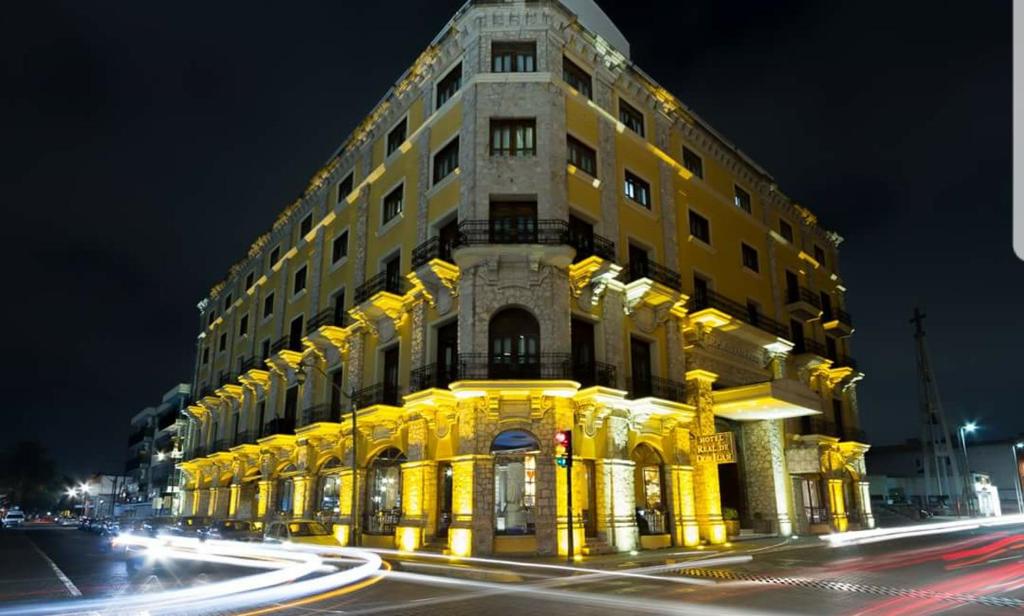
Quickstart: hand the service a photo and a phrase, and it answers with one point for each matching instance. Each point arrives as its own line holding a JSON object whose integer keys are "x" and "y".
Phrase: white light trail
{"x": 858, "y": 537}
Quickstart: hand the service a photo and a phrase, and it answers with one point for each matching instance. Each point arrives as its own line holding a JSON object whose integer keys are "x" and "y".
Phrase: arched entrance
{"x": 514, "y": 345}
{"x": 383, "y": 493}
{"x": 515, "y": 482}
{"x": 284, "y": 491}
{"x": 328, "y": 505}
{"x": 650, "y": 493}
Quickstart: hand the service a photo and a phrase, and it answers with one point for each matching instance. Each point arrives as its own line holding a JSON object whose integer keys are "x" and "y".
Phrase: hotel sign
{"x": 717, "y": 448}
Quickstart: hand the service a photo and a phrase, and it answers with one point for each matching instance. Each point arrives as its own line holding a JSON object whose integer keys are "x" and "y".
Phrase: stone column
{"x": 234, "y": 498}
{"x": 803, "y": 525}
{"x": 767, "y": 476}
{"x": 266, "y": 498}
{"x": 188, "y": 502}
{"x": 686, "y": 531}
{"x": 578, "y": 504}
{"x": 219, "y": 502}
{"x": 615, "y": 496}
{"x": 706, "y": 491}
{"x": 864, "y": 503}
{"x": 418, "y": 500}
{"x": 343, "y": 527}
{"x": 301, "y": 487}
{"x": 837, "y": 505}
{"x": 472, "y": 530}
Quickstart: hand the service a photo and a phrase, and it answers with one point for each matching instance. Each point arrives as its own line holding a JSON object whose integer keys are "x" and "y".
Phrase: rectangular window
{"x": 631, "y": 117}
{"x": 576, "y": 77}
{"x": 446, "y": 160}
{"x": 345, "y": 187}
{"x": 514, "y": 57}
{"x": 750, "y": 258}
{"x": 396, "y": 137}
{"x": 223, "y": 344}
{"x": 392, "y": 204}
{"x": 339, "y": 248}
{"x": 743, "y": 200}
{"x": 268, "y": 305}
{"x": 295, "y": 334}
{"x": 819, "y": 255}
{"x": 638, "y": 190}
{"x": 265, "y": 349}
{"x": 306, "y": 225}
{"x": 700, "y": 228}
{"x": 513, "y": 137}
{"x": 243, "y": 325}
{"x": 228, "y": 300}
{"x": 299, "y": 283}
{"x": 693, "y": 162}
{"x": 275, "y": 255}
{"x": 581, "y": 155}
{"x": 786, "y": 230}
{"x": 449, "y": 85}
{"x": 211, "y": 319}
{"x": 206, "y": 355}
{"x": 249, "y": 280}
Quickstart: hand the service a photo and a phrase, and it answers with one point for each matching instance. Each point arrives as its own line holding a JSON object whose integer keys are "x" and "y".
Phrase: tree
{"x": 28, "y": 476}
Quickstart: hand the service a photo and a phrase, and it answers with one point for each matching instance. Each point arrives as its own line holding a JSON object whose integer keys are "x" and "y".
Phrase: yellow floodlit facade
{"x": 528, "y": 234}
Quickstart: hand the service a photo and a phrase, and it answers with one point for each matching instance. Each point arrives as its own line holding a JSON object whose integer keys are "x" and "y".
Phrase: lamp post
{"x": 300, "y": 378}
{"x": 1016, "y": 474}
{"x": 967, "y": 428}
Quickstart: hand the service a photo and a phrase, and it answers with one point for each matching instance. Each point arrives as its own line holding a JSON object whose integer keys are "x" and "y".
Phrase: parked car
{"x": 13, "y": 518}
{"x": 232, "y": 530}
{"x": 190, "y": 526}
{"x": 299, "y": 531}
{"x": 68, "y": 522}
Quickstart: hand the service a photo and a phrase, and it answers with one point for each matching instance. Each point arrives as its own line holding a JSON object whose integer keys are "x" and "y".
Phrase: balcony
{"x": 855, "y": 434}
{"x": 803, "y": 304}
{"x": 320, "y": 413}
{"x": 651, "y": 270}
{"x": 224, "y": 378}
{"x": 845, "y": 361}
{"x": 708, "y": 306}
{"x": 167, "y": 420}
{"x": 246, "y": 437}
{"x": 837, "y": 322}
{"x": 595, "y": 374}
{"x": 430, "y": 250}
{"x": 432, "y": 376}
{"x": 381, "y": 393}
{"x": 592, "y": 245}
{"x": 810, "y": 346}
{"x": 222, "y": 444}
{"x": 769, "y": 400}
{"x": 485, "y": 367}
{"x": 137, "y": 436}
{"x": 547, "y": 232}
{"x": 279, "y": 425}
{"x": 246, "y": 365}
{"x": 656, "y": 387}
{"x": 819, "y": 426}
{"x": 380, "y": 283}
{"x": 328, "y": 317}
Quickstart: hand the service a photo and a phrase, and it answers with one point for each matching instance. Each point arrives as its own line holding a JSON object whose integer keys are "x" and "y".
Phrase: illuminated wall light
{"x": 460, "y": 542}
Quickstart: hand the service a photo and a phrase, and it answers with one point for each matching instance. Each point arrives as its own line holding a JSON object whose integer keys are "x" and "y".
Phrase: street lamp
{"x": 1016, "y": 474}
{"x": 968, "y": 428}
{"x": 300, "y": 378}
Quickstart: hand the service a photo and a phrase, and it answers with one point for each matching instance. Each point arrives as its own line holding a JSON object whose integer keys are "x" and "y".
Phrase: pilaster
{"x": 706, "y": 490}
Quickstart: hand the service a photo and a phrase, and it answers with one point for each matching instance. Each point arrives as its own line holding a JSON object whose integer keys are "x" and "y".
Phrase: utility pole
{"x": 936, "y": 443}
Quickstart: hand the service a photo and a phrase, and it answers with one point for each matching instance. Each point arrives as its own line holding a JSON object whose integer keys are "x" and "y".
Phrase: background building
{"x": 153, "y": 450}
{"x": 529, "y": 234}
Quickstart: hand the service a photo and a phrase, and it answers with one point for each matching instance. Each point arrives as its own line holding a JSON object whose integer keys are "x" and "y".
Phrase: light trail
{"x": 294, "y": 572}
{"x": 858, "y": 537}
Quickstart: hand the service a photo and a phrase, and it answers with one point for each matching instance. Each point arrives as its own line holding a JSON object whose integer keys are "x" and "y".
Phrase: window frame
{"x": 626, "y": 111}
{"x": 513, "y": 125}
{"x": 397, "y": 215}
{"x": 820, "y": 255}
{"x": 434, "y": 179}
{"x": 335, "y": 258}
{"x": 695, "y": 157}
{"x": 510, "y": 49}
{"x": 570, "y": 142}
{"x": 738, "y": 199}
{"x": 691, "y": 214}
{"x": 389, "y": 147}
{"x": 628, "y": 175}
{"x": 438, "y": 103}
{"x": 349, "y": 179}
{"x": 573, "y": 69}
{"x": 789, "y": 236}
{"x": 746, "y": 250}
{"x": 250, "y": 280}
{"x": 304, "y": 271}
{"x": 268, "y": 300}
{"x": 243, "y": 325}
{"x": 275, "y": 255}
{"x": 305, "y": 225}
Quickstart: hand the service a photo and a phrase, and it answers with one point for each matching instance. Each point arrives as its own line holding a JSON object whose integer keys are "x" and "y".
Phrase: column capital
{"x": 701, "y": 375}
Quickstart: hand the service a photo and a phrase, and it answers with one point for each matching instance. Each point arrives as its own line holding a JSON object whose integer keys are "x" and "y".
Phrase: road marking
{"x": 65, "y": 580}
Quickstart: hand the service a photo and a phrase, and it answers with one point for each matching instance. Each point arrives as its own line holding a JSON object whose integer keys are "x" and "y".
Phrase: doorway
{"x": 444, "y": 499}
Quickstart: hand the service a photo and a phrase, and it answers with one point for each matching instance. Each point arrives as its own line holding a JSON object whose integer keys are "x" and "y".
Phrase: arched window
{"x": 383, "y": 506}
{"x": 514, "y": 342}
{"x": 285, "y": 491}
{"x": 327, "y": 489}
{"x": 649, "y": 486}
{"x": 515, "y": 482}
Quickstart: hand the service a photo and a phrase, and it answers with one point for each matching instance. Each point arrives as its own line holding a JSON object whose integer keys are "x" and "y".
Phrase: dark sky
{"x": 145, "y": 146}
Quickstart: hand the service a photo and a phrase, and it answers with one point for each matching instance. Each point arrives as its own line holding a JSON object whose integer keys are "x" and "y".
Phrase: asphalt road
{"x": 979, "y": 571}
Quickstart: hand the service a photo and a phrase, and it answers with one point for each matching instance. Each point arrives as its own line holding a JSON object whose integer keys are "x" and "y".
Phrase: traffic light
{"x": 563, "y": 447}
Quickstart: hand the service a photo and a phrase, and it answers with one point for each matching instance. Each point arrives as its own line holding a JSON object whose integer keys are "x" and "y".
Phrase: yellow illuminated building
{"x": 529, "y": 234}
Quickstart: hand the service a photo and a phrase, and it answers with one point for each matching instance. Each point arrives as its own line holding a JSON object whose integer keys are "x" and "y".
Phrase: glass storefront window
{"x": 515, "y": 482}
{"x": 649, "y": 486}
{"x": 384, "y": 493}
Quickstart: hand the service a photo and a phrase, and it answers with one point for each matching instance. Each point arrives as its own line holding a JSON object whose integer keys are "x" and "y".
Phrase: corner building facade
{"x": 528, "y": 234}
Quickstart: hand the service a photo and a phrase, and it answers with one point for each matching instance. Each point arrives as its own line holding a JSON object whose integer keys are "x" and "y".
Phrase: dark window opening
{"x": 513, "y": 137}
{"x": 582, "y": 156}
{"x": 514, "y": 57}
{"x": 576, "y": 77}
{"x": 631, "y": 117}
{"x": 396, "y": 137}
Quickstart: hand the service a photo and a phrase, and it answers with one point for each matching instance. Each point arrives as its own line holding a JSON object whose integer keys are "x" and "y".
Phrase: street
{"x": 977, "y": 571}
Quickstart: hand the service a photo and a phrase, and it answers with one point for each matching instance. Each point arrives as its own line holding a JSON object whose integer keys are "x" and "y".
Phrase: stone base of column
{"x": 712, "y": 529}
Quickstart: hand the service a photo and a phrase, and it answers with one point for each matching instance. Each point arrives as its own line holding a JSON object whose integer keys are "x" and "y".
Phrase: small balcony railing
{"x": 513, "y": 231}
{"x": 592, "y": 245}
{"x": 713, "y": 299}
{"x": 279, "y": 425}
{"x": 802, "y": 294}
{"x": 433, "y": 376}
{"x": 656, "y": 387}
{"x": 635, "y": 270}
{"x": 328, "y": 317}
{"x": 844, "y": 361}
{"x": 855, "y": 434}
{"x": 650, "y": 522}
{"x": 137, "y": 437}
{"x": 223, "y": 444}
{"x": 809, "y": 345}
{"x": 247, "y": 364}
{"x": 818, "y": 425}
{"x": 432, "y": 249}
{"x": 320, "y": 413}
{"x": 279, "y": 345}
{"x": 484, "y": 366}
{"x": 594, "y": 373}
{"x": 204, "y": 391}
{"x": 245, "y": 437}
{"x": 224, "y": 378}
{"x": 380, "y": 393}
{"x": 378, "y": 283}
{"x": 842, "y": 316}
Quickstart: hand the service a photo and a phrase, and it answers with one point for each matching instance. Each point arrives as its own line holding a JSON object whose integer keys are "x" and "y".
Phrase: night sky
{"x": 146, "y": 146}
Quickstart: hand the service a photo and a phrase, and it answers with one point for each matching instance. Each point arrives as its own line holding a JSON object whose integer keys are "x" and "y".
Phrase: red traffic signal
{"x": 563, "y": 447}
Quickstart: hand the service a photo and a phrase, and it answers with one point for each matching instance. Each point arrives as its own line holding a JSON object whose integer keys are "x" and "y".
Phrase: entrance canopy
{"x": 779, "y": 399}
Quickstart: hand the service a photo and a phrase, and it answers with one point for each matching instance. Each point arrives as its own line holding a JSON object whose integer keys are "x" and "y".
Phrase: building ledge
{"x": 645, "y": 291}
{"x": 469, "y": 257}
{"x": 778, "y": 399}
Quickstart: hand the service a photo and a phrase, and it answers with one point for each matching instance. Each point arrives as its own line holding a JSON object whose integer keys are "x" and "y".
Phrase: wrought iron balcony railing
{"x": 432, "y": 249}
{"x": 842, "y": 316}
{"x": 594, "y": 373}
{"x": 635, "y": 270}
{"x": 380, "y": 393}
{"x": 380, "y": 282}
{"x": 433, "y": 376}
{"x": 484, "y": 366}
{"x": 279, "y": 345}
{"x": 247, "y": 364}
{"x": 818, "y": 425}
{"x": 809, "y": 345}
{"x": 592, "y": 245}
{"x": 656, "y": 387}
{"x": 328, "y": 316}
{"x": 319, "y": 413}
{"x": 279, "y": 425}
{"x": 223, "y": 444}
{"x": 713, "y": 299}
{"x": 802, "y": 294}
{"x": 245, "y": 437}
{"x": 844, "y": 361}
{"x": 855, "y": 434}
{"x": 513, "y": 231}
